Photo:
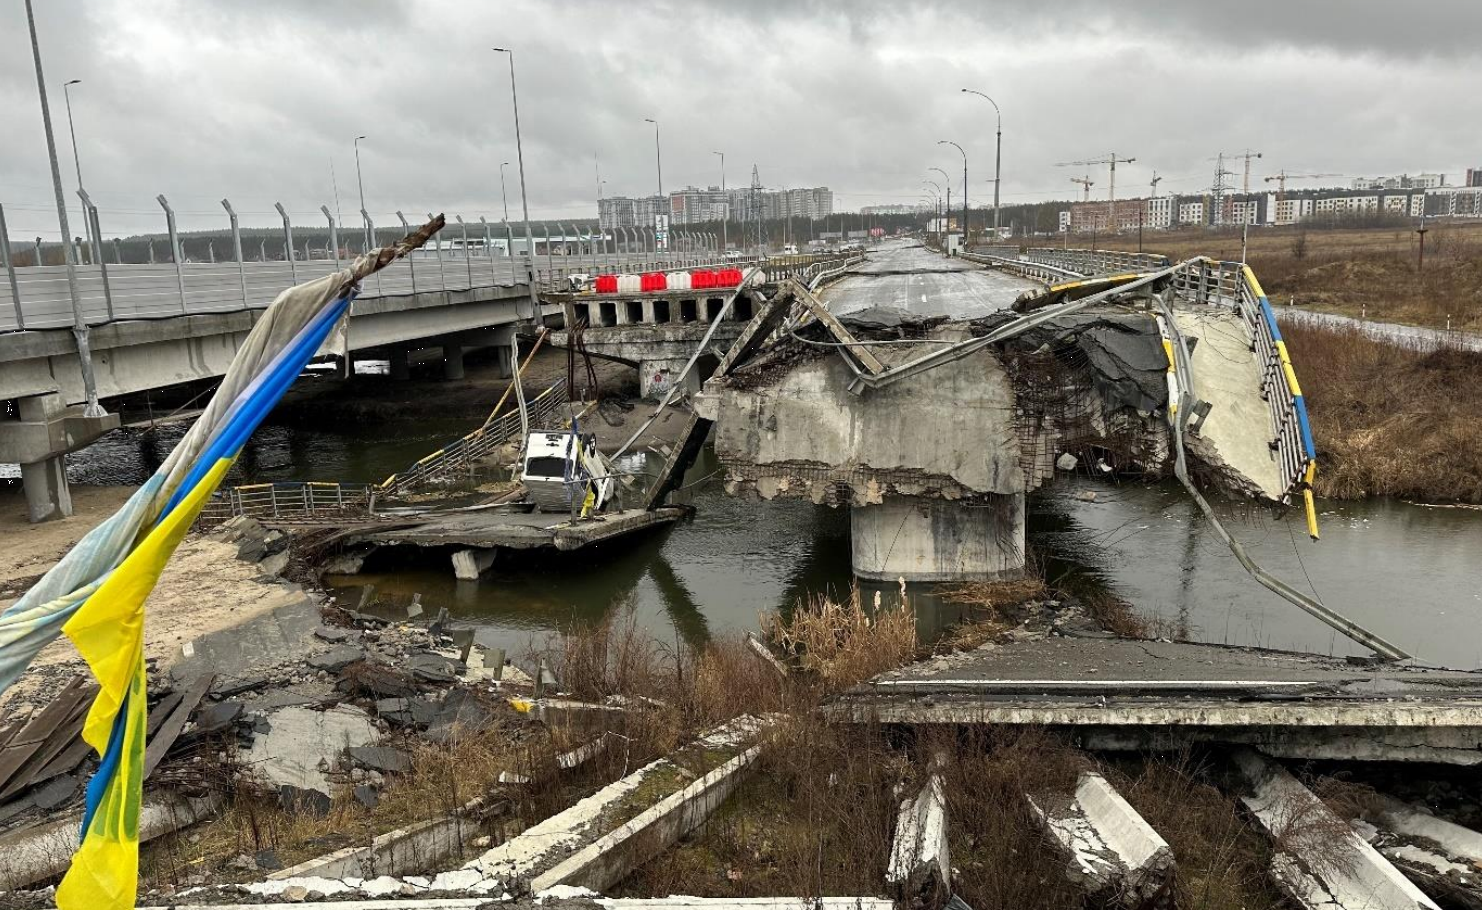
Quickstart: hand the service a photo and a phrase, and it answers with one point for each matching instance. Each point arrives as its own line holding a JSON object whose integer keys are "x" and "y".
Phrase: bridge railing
{"x": 41, "y": 298}
{"x": 1234, "y": 286}
{"x": 290, "y": 502}
{"x": 1040, "y": 271}
{"x": 1097, "y": 262}
{"x": 463, "y": 453}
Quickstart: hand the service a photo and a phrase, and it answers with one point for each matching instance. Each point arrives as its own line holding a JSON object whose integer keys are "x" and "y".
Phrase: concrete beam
{"x": 599, "y": 840}
{"x": 37, "y": 853}
{"x": 419, "y": 846}
{"x": 1114, "y": 855}
{"x": 1441, "y": 857}
{"x": 48, "y": 427}
{"x": 1320, "y": 862}
{"x": 920, "y": 866}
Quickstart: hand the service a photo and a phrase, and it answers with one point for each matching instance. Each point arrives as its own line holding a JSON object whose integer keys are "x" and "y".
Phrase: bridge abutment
{"x": 927, "y": 539}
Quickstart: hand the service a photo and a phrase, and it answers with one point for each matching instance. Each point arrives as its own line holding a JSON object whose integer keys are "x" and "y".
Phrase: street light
{"x": 360, "y": 183}
{"x": 997, "y": 156}
{"x": 659, "y": 165}
{"x": 726, "y": 217}
{"x": 937, "y": 199}
{"x": 964, "y": 186}
{"x": 524, "y": 200}
{"x": 947, "y": 209}
{"x": 92, "y": 242}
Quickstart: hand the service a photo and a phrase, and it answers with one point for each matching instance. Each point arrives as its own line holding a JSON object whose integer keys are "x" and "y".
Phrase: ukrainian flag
{"x": 96, "y": 593}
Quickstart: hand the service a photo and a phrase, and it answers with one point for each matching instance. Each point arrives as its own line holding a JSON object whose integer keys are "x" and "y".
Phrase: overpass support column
{"x": 504, "y": 357}
{"x": 401, "y": 365}
{"x": 346, "y": 368}
{"x": 45, "y": 485}
{"x": 452, "y": 360}
{"x": 922, "y": 539}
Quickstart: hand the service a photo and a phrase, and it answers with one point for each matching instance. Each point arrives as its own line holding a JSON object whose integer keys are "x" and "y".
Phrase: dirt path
{"x": 205, "y": 588}
{"x": 30, "y": 550}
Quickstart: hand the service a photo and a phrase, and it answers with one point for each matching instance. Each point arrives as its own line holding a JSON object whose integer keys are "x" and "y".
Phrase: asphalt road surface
{"x": 911, "y": 277}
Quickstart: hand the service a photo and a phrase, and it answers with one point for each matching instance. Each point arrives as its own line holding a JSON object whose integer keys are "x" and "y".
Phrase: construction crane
{"x": 1247, "y": 155}
{"x": 1111, "y": 160}
{"x": 1153, "y": 184}
{"x": 1086, "y": 183}
{"x": 1281, "y": 177}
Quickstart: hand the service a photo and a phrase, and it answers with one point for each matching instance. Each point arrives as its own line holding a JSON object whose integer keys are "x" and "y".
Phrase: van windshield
{"x": 545, "y": 466}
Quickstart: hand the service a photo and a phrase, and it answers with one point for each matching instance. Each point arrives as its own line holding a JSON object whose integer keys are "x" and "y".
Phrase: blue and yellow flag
{"x": 96, "y": 593}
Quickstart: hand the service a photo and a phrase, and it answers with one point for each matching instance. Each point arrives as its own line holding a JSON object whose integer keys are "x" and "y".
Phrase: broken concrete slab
{"x": 407, "y": 712}
{"x": 430, "y": 667}
{"x": 333, "y": 634}
{"x": 336, "y": 659}
{"x": 1114, "y": 855}
{"x": 381, "y": 758}
{"x": 585, "y": 752}
{"x": 302, "y": 742}
{"x": 1320, "y": 862}
{"x": 422, "y": 845}
{"x": 604, "y": 836}
{"x": 1443, "y": 858}
{"x": 920, "y": 858}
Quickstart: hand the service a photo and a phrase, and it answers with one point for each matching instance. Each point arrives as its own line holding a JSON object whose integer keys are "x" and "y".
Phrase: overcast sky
{"x": 256, "y": 99}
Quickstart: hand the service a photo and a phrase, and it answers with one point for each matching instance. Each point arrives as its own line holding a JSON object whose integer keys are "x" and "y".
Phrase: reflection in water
{"x": 1408, "y": 572}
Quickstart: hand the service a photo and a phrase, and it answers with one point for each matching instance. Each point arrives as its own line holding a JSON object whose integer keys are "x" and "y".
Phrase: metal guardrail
{"x": 1098, "y": 262}
{"x": 290, "y": 501}
{"x": 1039, "y": 271}
{"x": 462, "y": 453}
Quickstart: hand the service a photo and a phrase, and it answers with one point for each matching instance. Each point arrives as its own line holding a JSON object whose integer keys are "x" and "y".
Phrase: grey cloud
{"x": 255, "y": 100}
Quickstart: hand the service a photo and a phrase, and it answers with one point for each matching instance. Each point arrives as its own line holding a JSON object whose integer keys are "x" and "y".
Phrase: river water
{"x": 1408, "y": 572}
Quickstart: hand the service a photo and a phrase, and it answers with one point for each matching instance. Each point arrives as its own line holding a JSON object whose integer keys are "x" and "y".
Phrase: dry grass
{"x": 444, "y": 778}
{"x": 1222, "y": 859}
{"x": 1390, "y": 421}
{"x": 845, "y": 644}
{"x": 814, "y": 819}
{"x": 1005, "y": 857}
{"x": 1355, "y": 271}
{"x": 993, "y": 608}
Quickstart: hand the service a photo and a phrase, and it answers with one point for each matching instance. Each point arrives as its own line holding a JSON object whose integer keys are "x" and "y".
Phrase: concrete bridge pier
{"x": 452, "y": 359}
{"x": 934, "y": 540}
{"x": 39, "y": 441}
{"x": 401, "y": 363}
{"x": 504, "y": 361}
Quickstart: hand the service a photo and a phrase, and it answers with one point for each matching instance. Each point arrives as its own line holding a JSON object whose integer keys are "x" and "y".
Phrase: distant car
{"x": 790, "y": 249}
{"x": 733, "y": 255}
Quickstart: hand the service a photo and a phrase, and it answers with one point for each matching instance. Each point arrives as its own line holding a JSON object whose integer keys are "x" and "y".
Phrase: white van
{"x": 560, "y": 466}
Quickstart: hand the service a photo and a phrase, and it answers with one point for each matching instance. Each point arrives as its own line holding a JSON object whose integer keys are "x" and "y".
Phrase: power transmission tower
{"x": 755, "y": 205}
{"x": 1220, "y": 190}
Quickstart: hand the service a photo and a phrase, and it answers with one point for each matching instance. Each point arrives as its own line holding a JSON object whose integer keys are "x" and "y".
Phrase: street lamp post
{"x": 726, "y": 216}
{"x": 947, "y": 211}
{"x": 92, "y": 241}
{"x": 360, "y": 183}
{"x": 997, "y": 156}
{"x": 964, "y": 187}
{"x": 524, "y": 199}
{"x": 659, "y": 166}
{"x": 79, "y": 321}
